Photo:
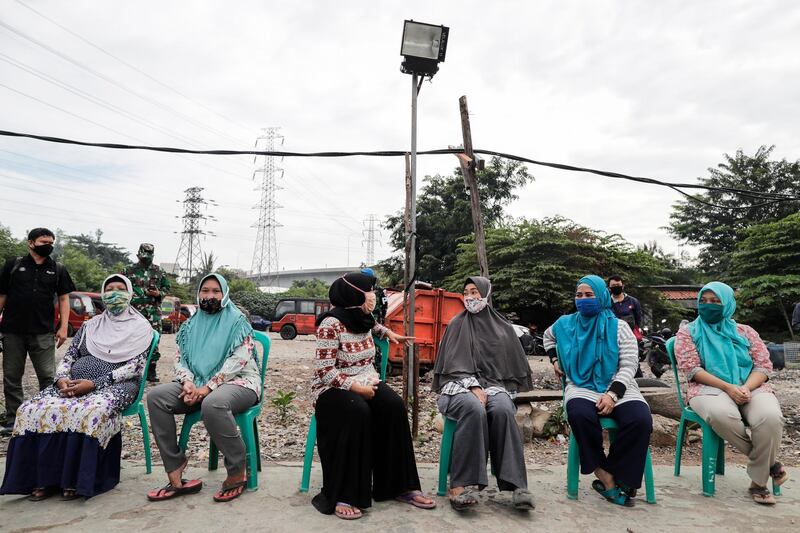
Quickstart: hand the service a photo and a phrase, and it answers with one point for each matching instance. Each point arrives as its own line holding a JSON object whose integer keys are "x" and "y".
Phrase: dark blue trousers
{"x": 626, "y": 456}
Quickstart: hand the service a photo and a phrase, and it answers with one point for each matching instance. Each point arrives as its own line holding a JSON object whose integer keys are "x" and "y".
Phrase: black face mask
{"x": 43, "y": 249}
{"x": 616, "y": 291}
{"x": 210, "y": 305}
{"x": 146, "y": 261}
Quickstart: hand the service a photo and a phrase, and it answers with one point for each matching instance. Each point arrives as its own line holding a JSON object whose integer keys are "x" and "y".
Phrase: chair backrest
{"x": 264, "y": 341}
{"x": 153, "y": 345}
{"x": 382, "y": 346}
{"x": 671, "y": 353}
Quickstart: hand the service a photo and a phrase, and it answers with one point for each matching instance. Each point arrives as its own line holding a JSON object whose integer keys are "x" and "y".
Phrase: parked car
{"x": 260, "y": 323}
{"x": 97, "y": 302}
{"x": 171, "y": 314}
{"x": 296, "y": 316}
{"x": 81, "y": 309}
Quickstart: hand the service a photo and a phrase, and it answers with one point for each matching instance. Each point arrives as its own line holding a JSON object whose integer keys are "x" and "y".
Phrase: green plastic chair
{"x": 311, "y": 439}
{"x": 574, "y": 459}
{"x": 247, "y": 422}
{"x": 137, "y": 407}
{"x": 713, "y": 444}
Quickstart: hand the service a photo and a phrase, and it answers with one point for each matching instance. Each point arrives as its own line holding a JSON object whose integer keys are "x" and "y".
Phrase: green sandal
{"x": 614, "y": 494}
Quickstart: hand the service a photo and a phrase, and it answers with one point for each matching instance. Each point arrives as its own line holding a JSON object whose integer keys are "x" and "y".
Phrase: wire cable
{"x": 770, "y": 197}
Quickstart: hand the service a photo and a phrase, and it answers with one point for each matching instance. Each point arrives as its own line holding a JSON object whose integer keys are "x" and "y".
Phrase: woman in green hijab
{"x": 727, "y": 367}
{"x": 216, "y": 372}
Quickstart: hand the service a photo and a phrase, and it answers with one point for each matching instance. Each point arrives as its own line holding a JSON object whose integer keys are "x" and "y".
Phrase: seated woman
{"x": 68, "y": 436}
{"x": 480, "y": 367}
{"x": 727, "y": 366}
{"x": 363, "y": 437}
{"x": 216, "y": 372}
{"x": 600, "y": 357}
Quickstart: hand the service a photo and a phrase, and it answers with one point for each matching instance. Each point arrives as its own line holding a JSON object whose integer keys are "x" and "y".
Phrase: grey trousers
{"x": 763, "y": 415}
{"x": 217, "y": 410}
{"x": 484, "y": 432}
{"x": 16, "y": 348}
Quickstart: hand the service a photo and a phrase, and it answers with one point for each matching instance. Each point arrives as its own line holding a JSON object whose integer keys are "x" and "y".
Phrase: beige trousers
{"x": 763, "y": 416}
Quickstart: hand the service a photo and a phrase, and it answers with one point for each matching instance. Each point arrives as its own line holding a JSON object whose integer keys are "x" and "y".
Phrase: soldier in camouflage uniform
{"x": 150, "y": 285}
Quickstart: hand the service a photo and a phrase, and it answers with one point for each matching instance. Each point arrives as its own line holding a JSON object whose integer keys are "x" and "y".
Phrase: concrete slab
{"x": 278, "y": 506}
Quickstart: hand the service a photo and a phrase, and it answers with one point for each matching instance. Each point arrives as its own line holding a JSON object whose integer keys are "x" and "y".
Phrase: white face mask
{"x": 475, "y": 305}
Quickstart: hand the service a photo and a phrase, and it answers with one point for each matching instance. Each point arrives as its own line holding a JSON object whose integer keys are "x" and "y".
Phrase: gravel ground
{"x": 289, "y": 370}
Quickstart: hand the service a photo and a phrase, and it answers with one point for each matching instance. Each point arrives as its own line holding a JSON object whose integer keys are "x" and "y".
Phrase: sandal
{"x": 463, "y": 501}
{"x": 69, "y": 495}
{"x": 627, "y": 490}
{"x": 167, "y": 492}
{"x": 43, "y": 494}
{"x": 778, "y": 474}
{"x": 348, "y": 516}
{"x": 761, "y": 495}
{"x": 410, "y": 498}
{"x": 522, "y": 500}
{"x": 236, "y": 490}
{"x": 613, "y": 495}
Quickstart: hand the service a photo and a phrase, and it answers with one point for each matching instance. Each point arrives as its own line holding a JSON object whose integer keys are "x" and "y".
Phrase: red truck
{"x": 296, "y": 316}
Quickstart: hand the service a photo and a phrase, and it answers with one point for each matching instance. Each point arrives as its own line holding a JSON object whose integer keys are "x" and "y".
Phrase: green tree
{"x": 314, "y": 288}
{"x": 444, "y": 216}
{"x": 718, "y": 229}
{"x": 257, "y": 303}
{"x": 9, "y": 246}
{"x": 535, "y": 264}
{"x": 86, "y": 273}
{"x": 107, "y": 254}
{"x": 765, "y": 267}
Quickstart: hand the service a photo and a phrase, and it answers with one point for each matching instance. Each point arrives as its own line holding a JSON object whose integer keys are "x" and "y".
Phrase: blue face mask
{"x": 587, "y": 306}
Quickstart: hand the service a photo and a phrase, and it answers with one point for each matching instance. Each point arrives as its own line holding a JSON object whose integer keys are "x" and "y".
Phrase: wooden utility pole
{"x": 467, "y": 163}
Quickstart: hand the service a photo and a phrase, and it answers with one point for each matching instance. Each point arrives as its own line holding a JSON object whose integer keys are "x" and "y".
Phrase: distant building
{"x": 683, "y": 295}
{"x": 169, "y": 268}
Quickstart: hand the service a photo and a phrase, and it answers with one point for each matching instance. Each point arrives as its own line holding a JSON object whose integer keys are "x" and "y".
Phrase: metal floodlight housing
{"x": 423, "y": 47}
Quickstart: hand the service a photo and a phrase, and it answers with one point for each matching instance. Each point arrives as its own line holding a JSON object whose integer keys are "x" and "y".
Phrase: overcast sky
{"x": 655, "y": 89}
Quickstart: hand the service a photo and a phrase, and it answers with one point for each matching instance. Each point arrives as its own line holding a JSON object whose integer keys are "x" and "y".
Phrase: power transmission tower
{"x": 190, "y": 256}
{"x": 265, "y": 255}
{"x": 370, "y": 237}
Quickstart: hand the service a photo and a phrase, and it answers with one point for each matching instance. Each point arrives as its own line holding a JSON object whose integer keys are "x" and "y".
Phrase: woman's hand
{"x": 395, "y": 338}
{"x": 198, "y": 394}
{"x": 188, "y": 392}
{"x": 77, "y": 387}
{"x": 605, "y": 405}
{"x": 737, "y": 394}
{"x": 61, "y": 384}
{"x": 557, "y": 369}
{"x": 479, "y": 393}
{"x": 365, "y": 391}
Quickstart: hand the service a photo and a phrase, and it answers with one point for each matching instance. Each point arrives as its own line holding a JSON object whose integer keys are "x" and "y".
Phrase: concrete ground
{"x": 278, "y": 506}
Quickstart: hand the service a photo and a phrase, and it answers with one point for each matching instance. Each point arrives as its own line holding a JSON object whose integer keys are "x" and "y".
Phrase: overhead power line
{"x": 769, "y": 197}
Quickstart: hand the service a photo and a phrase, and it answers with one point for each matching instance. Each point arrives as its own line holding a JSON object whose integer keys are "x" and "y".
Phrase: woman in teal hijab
{"x": 727, "y": 367}
{"x": 597, "y": 356}
{"x": 217, "y": 373}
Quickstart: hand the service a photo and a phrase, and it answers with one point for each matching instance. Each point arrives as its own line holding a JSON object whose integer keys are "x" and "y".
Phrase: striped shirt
{"x": 451, "y": 388}
{"x": 342, "y": 357}
{"x": 626, "y": 369}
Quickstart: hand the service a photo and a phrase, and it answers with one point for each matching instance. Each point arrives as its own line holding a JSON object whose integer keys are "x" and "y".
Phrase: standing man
{"x": 796, "y": 317}
{"x": 625, "y": 306}
{"x": 28, "y": 286}
{"x": 150, "y": 285}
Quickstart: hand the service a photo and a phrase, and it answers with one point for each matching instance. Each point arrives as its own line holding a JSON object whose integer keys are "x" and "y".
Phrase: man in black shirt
{"x": 28, "y": 286}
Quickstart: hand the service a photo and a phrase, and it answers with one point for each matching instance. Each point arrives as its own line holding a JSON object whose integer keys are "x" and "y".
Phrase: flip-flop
{"x": 167, "y": 492}
{"x": 613, "y": 495}
{"x": 463, "y": 501}
{"x": 344, "y": 516}
{"x": 627, "y": 490}
{"x": 69, "y": 497}
{"x": 408, "y": 497}
{"x": 220, "y": 495}
{"x": 47, "y": 492}
{"x": 778, "y": 474}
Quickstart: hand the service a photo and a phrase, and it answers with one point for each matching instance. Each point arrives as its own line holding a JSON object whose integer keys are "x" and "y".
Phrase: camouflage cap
{"x": 146, "y": 250}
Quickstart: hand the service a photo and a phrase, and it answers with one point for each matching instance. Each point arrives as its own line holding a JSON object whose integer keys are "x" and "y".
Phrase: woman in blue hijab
{"x": 727, "y": 367}
{"x": 598, "y": 356}
{"x": 217, "y": 373}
